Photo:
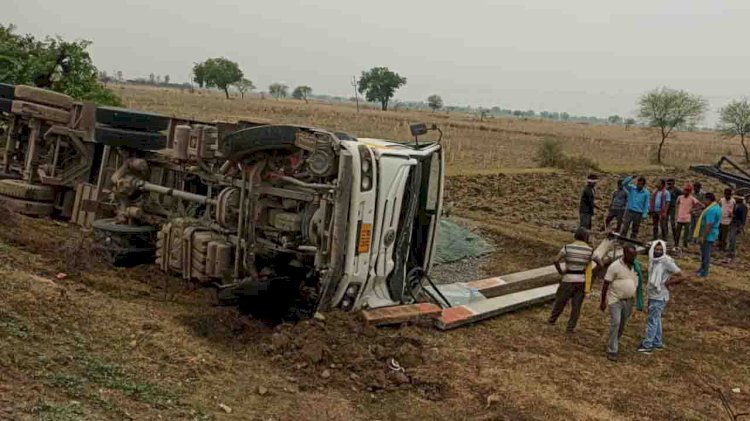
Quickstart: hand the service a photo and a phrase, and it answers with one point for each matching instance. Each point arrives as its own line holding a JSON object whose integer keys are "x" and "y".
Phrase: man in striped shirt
{"x": 576, "y": 255}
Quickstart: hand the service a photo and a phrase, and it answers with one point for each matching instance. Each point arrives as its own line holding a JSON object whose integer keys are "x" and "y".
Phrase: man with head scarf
{"x": 663, "y": 273}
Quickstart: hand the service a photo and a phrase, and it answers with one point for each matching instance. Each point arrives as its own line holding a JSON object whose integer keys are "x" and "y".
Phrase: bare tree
{"x": 244, "y": 85}
{"x": 735, "y": 121}
{"x": 666, "y": 109}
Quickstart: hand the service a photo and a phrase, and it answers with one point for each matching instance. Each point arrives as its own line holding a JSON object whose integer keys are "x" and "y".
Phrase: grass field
{"x": 105, "y": 343}
{"x": 472, "y": 146}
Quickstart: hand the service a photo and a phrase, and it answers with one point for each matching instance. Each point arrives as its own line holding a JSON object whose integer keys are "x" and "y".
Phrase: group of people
{"x": 622, "y": 289}
{"x": 691, "y": 215}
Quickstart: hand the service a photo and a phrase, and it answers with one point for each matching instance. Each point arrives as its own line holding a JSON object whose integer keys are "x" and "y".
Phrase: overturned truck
{"x": 315, "y": 219}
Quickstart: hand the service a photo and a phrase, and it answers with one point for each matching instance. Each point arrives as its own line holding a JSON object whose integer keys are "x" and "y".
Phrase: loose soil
{"x": 106, "y": 343}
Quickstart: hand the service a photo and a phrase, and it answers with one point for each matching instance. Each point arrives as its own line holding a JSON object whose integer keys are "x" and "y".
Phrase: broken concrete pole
{"x": 400, "y": 314}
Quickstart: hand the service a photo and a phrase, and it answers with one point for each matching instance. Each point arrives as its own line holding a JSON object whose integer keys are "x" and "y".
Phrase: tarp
{"x": 457, "y": 243}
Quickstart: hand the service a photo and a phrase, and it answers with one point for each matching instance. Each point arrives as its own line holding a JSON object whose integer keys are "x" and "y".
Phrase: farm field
{"x": 105, "y": 343}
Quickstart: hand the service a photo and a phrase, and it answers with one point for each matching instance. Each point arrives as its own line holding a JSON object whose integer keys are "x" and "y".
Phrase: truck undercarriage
{"x": 274, "y": 216}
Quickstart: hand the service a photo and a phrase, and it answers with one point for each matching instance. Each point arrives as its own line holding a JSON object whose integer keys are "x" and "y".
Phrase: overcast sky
{"x": 591, "y": 57}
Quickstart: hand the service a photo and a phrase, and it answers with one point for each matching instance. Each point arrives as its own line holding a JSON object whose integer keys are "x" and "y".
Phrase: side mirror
{"x": 418, "y": 129}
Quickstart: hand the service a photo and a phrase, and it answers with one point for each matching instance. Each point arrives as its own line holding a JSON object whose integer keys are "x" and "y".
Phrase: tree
{"x": 435, "y": 102}
{"x": 244, "y": 85}
{"x": 218, "y": 73}
{"x": 166, "y": 79}
{"x": 629, "y": 122}
{"x": 614, "y": 119}
{"x": 564, "y": 116}
{"x": 199, "y": 74}
{"x": 119, "y": 75}
{"x": 379, "y": 84}
{"x": 278, "y": 90}
{"x": 734, "y": 119}
{"x": 666, "y": 109}
{"x": 483, "y": 113}
{"x": 302, "y": 92}
{"x": 152, "y": 78}
{"x": 51, "y": 63}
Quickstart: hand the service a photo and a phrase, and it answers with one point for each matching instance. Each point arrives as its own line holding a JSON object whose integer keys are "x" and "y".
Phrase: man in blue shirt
{"x": 638, "y": 201}
{"x": 708, "y": 232}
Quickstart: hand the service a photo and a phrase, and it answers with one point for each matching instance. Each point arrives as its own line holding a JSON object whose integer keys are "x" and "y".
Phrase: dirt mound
{"x": 339, "y": 351}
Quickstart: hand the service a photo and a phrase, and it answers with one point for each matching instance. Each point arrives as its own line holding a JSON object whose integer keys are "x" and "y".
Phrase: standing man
{"x": 707, "y": 232}
{"x": 659, "y": 208}
{"x": 576, "y": 255}
{"x": 674, "y": 194}
{"x": 638, "y": 197}
{"x": 617, "y": 207}
{"x": 662, "y": 274}
{"x": 618, "y": 296}
{"x": 686, "y": 203}
{"x": 727, "y": 207}
{"x": 737, "y": 227}
{"x": 587, "y": 206}
{"x": 698, "y": 193}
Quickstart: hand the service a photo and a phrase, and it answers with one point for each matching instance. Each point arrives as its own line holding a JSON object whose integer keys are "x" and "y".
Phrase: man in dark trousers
{"x": 737, "y": 226}
{"x": 576, "y": 255}
{"x": 638, "y": 200}
{"x": 674, "y": 194}
{"x": 617, "y": 207}
{"x": 587, "y": 206}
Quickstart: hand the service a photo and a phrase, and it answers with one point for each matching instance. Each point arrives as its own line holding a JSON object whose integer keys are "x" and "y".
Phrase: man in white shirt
{"x": 618, "y": 294}
{"x": 662, "y": 274}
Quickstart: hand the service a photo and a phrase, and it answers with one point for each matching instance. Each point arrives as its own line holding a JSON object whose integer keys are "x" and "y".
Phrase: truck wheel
{"x": 22, "y": 190}
{"x": 43, "y": 96}
{"x": 122, "y": 118}
{"x": 146, "y": 141}
{"x": 27, "y": 207}
{"x": 124, "y": 245}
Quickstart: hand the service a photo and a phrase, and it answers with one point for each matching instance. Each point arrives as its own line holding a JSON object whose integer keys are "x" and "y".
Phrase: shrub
{"x": 550, "y": 154}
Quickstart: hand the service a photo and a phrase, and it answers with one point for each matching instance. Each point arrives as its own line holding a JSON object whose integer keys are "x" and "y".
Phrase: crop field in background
{"x": 472, "y": 146}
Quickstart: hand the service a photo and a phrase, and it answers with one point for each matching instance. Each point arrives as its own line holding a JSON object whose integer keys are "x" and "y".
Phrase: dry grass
{"x": 472, "y": 146}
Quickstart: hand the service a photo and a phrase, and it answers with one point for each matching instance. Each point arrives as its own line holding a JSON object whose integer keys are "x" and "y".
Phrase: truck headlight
{"x": 366, "y": 182}
{"x": 366, "y": 168}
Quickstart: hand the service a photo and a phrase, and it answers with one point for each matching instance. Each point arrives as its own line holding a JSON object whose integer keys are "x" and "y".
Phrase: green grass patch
{"x": 46, "y": 411}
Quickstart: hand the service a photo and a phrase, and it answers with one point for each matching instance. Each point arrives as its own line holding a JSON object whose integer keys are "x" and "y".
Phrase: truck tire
{"x": 6, "y": 105}
{"x": 122, "y": 118}
{"x": 243, "y": 142}
{"x": 7, "y": 90}
{"x": 124, "y": 245}
{"x": 22, "y": 190}
{"x": 147, "y": 141}
{"x": 27, "y": 207}
{"x": 43, "y": 96}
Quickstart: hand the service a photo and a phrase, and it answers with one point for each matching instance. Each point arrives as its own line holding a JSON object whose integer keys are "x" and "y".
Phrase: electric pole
{"x": 354, "y": 84}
